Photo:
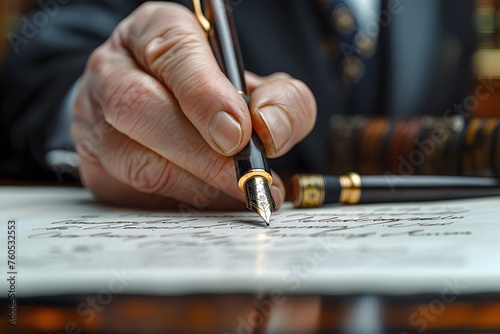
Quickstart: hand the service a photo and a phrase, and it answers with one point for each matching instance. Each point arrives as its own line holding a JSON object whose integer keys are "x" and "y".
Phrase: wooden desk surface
{"x": 248, "y": 314}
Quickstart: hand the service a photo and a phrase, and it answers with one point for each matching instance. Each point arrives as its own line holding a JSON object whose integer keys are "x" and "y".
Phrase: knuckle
{"x": 151, "y": 8}
{"x": 146, "y": 11}
{"x": 95, "y": 71}
{"x": 175, "y": 37}
{"x": 97, "y": 58}
{"x": 174, "y": 53}
{"x": 125, "y": 104}
{"x": 303, "y": 100}
{"x": 79, "y": 110}
{"x": 149, "y": 173}
{"x": 295, "y": 87}
{"x": 280, "y": 76}
{"x": 146, "y": 8}
{"x": 84, "y": 106}
{"x": 198, "y": 103}
{"x": 216, "y": 169}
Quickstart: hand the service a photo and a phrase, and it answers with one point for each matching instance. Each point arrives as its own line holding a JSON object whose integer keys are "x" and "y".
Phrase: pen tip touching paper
{"x": 265, "y": 213}
{"x": 259, "y": 197}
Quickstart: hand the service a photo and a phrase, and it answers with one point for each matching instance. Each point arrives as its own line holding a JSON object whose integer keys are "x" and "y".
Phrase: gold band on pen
{"x": 350, "y": 192}
{"x": 244, "y": 96}
{"x": 309, "y": 190}
{"x": 254, "y": 173}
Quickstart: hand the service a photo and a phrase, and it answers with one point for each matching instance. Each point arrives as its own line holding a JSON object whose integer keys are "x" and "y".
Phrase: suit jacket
{"x": 414, "y": 58}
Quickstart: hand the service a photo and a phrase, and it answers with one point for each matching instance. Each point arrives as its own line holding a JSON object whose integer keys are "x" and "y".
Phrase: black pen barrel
{"x": 224, "y": 42}
{"x": 376, "y": 189}
{"x": 225, "y": 45}
{"x": 252, "y": 169}
{"x": 313, "y": 190}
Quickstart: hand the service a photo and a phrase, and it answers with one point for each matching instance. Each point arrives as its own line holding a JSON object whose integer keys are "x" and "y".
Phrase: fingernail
{"x": 278, "y": 124}
{"x": 225, "y": 132}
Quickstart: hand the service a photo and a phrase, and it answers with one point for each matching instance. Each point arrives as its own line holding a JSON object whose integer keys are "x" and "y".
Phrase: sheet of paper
{"x": 66, "y": 243}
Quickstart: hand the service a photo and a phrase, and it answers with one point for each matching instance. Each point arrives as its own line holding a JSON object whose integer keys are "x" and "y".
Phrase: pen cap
{"x": 313, "y": 190}
{"x": 413, "y": 188}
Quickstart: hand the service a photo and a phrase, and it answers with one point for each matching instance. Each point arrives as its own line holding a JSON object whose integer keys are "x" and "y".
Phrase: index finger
{"x": 169, "y": 43}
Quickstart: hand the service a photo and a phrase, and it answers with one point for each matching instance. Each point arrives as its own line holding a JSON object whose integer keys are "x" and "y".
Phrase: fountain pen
{"x": 314, "y": 190}
{"x": 252, "y": 169}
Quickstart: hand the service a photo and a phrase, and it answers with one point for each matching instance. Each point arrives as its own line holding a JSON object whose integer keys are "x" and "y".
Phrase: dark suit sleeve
{"x": 47, "y": 55}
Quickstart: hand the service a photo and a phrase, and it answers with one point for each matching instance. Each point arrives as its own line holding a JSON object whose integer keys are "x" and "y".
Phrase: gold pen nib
{"x": 259, "y": 197}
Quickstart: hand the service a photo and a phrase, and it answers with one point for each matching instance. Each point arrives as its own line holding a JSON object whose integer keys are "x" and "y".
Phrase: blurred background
{"x": 479, "y": 312}
{"x": 471, "y": 148}
{"x": 486, "y": 61}
{"x": 10, "y": 12}
{"x": 487, "y": 58}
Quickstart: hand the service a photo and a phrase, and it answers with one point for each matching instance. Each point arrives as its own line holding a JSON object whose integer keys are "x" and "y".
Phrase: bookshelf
{"x": 486, "y": 60}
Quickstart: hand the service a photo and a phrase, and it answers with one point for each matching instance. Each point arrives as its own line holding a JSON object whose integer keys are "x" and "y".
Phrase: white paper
{"x": 67, "y": 244}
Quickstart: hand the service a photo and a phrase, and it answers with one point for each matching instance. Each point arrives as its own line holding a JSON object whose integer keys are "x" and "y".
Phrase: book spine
{"x": 425, "y": 145}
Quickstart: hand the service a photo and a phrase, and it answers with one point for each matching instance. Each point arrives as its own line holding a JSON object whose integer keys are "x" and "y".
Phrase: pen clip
{"x": 198, "y": 12}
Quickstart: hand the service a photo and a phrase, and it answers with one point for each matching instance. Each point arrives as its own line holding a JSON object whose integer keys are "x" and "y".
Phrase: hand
{"x": 156, "y": 121}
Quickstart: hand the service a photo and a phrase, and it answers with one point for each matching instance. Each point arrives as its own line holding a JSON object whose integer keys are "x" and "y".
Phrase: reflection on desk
{"x": 250, "y": 314}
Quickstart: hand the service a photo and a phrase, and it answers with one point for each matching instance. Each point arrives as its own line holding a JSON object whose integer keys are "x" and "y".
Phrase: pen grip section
{"x": 251, "y": 158}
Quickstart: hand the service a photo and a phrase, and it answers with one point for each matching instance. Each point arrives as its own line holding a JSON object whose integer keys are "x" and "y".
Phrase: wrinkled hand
{"x": 156, "y": 121}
